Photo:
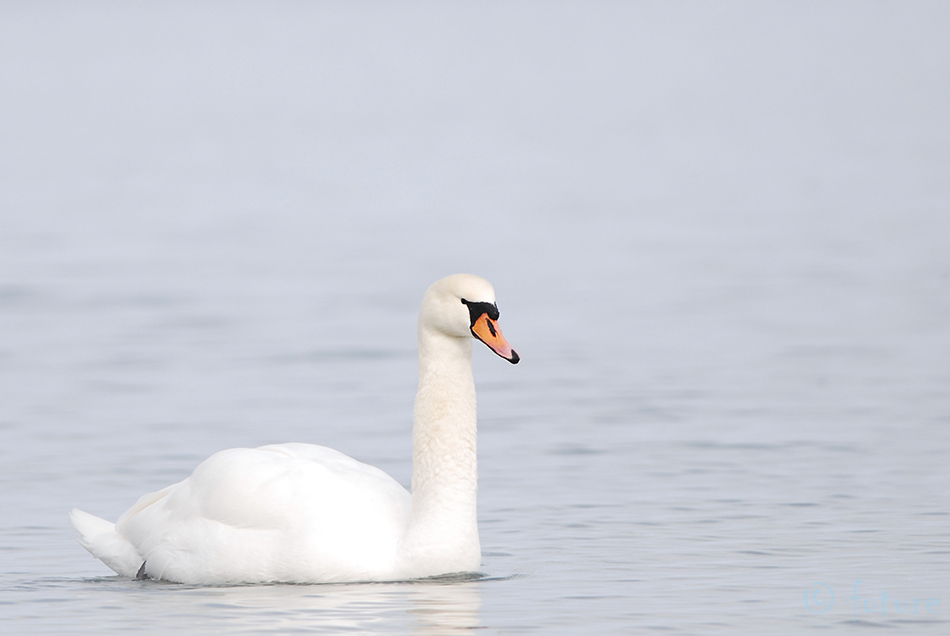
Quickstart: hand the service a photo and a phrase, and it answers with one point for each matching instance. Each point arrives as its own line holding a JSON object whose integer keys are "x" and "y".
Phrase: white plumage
{"x": 306, "y": 513}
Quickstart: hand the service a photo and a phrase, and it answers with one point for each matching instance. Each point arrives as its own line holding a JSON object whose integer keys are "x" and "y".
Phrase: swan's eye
{"x": 476, "y": 310}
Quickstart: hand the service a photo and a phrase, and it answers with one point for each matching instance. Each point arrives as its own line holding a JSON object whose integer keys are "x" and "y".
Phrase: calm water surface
{"x": 718, "y": 235}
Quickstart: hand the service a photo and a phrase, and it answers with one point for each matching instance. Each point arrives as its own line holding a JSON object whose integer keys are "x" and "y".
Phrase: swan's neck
{"x": 443, "y": 532}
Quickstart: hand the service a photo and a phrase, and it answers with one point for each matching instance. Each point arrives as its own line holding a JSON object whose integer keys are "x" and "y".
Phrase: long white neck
{"x": 443, "y": 533}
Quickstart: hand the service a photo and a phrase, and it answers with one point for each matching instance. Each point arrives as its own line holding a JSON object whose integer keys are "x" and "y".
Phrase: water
{"x": 718, "y": 235}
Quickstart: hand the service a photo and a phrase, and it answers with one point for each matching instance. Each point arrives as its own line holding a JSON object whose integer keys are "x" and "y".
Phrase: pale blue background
{"x": 718, "y": 232}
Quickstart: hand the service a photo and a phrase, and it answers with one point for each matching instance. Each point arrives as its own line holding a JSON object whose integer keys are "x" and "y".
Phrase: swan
{"x": 301, "y": 513}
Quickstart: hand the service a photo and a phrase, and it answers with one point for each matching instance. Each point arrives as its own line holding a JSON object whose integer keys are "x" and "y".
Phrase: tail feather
{"x": 99, "y": 537}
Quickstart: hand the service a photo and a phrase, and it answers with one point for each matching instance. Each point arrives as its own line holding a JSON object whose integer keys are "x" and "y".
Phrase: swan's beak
{"x": 488, "y": 331}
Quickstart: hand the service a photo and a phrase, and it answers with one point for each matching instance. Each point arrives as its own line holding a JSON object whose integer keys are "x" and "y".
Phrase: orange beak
{"x": 488, "y": 331}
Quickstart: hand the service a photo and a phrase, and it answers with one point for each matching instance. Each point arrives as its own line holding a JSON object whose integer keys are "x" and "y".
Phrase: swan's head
{"x": 463, "y": 305}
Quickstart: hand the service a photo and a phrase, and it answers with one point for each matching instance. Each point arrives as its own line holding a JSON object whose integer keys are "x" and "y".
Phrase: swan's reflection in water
{"x": 446, "y": 607}
{"x": 435, "y": 606}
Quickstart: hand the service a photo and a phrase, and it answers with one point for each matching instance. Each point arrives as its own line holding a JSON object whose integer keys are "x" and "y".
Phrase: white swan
{"x": 309, "y": 514}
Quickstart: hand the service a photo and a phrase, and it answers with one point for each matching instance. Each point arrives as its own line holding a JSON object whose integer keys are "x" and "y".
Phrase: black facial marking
{"x": 475, "y": 311}
{"x": 141, "y": 574}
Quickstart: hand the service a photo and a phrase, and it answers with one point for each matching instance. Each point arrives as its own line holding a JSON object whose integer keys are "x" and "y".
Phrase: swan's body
{"x": 306, "y": 513}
